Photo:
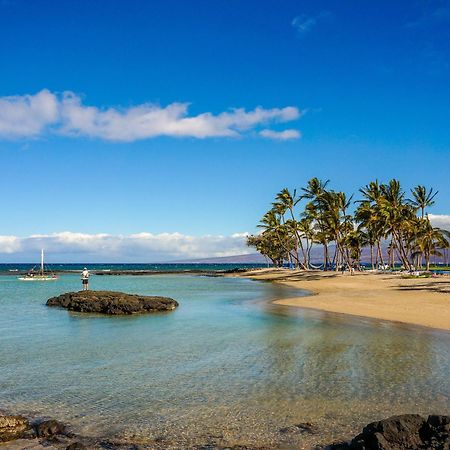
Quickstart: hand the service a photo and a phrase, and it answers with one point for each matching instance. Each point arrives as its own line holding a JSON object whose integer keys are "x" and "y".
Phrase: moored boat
{"x": 41, "y": 274}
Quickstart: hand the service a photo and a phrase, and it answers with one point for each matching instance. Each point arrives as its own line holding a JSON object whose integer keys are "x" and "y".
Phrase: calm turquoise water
{"x": 226, "y": 366}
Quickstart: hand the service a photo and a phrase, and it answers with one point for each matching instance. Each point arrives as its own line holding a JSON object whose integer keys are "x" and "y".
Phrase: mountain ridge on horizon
{"x": 247, "y": 258}
{"x": 257, "y": 258}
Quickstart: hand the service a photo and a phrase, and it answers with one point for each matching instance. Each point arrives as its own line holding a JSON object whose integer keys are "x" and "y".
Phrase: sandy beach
{"x": 418, "y": 301}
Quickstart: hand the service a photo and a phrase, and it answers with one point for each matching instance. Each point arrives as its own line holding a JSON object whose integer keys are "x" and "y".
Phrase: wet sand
{"x": 385, "y": 296}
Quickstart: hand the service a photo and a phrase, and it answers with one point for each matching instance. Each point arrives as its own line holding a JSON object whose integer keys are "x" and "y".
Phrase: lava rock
{"x": 404, "y": 432}
{"x": 49, "y": 428}
{"x": 13, "y": 427}
{"x": 112, "y": 303}
{"x": 236, "y": 270}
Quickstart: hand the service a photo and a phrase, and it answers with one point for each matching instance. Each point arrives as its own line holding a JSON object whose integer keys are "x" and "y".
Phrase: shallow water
{"x": 227, "y": 366}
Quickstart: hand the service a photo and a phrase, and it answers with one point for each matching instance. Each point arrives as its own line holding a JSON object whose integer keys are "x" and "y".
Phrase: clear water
{"x": 227, "y": 366}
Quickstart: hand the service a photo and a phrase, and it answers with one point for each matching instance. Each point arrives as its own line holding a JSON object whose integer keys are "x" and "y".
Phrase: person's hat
{"x": 85, "y": 268}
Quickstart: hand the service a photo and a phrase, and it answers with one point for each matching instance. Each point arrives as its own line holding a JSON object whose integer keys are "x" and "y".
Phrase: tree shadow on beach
{"x": 429, "y": 286}
{"x": 278, "y": 275}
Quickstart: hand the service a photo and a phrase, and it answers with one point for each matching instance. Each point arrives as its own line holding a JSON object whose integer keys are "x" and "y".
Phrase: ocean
{"x": 228, "y": 366}
{"x": 155, "y": 267}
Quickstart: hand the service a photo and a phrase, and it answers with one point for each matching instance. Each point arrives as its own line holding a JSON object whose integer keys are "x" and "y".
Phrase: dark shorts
{"x": 85, "y": 281}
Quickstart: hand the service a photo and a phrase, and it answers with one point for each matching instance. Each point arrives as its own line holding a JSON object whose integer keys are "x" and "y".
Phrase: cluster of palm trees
{"x": 383, "y": 219}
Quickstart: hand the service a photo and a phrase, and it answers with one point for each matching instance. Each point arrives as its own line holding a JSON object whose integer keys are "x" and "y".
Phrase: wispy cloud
{"x": 440, "y": 220}
{"x": 46, "y": 112}
{"x": 146, "y": 247}
{"x": 284, "y": 135}
{"x": 303, "y": 24}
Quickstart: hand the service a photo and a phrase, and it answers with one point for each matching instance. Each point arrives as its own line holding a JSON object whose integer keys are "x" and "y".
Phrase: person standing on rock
{"x": 85, "y": 279}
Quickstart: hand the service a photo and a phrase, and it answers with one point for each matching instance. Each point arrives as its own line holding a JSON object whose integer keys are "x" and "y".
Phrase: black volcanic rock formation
{"x": 112, "y": 303}
{"x": 404, "y": 432}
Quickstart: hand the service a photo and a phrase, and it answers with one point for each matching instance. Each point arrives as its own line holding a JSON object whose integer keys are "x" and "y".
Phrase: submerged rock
{"x": 49, "y": 428}
{"x": 404, "y": 432}
{"x": 113, "y": 303}
{"x": 13, "y": 427}
{"x": 236, "y": 270}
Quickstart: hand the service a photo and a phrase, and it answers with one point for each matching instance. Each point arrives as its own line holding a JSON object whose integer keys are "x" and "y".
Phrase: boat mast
{"x": 42, "y": 261}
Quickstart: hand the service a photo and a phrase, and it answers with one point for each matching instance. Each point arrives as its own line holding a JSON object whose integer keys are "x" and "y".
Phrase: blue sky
{"x": 349, "y": 91}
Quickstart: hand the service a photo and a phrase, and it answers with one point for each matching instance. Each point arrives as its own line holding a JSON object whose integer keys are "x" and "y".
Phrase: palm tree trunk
{"x": 299, "y": 239}
{"x": 380, "y": 253}
{"x": 309, "y": 256}
{"x": 335, "y": 255}
{"x": 336, "y": 258}
{"x": 400, "y": 250}
{"x": 307, "y": 253}
{"x": 283, "y": 246}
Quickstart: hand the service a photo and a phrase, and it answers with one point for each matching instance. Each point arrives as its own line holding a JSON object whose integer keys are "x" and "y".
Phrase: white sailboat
{"x": 40, "y": 275}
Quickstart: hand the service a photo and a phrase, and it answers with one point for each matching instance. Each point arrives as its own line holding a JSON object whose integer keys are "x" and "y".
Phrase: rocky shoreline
{"x": 403, "y": 432}
{"x": 112, "y": 303}
{"x": 409, "y": 431}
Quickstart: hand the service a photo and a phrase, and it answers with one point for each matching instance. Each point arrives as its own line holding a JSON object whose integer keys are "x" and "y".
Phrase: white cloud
{"x": 280, "y": 135}
{"x": 33, "y": 115}
{"x": 440, "y": 221}
{"x": 27, "y": 115}
{"x": 9, "y": 244}
{"x": 146, "y": 121}
{"x": 146, "y": 247}
{"x": 303, "y": 24}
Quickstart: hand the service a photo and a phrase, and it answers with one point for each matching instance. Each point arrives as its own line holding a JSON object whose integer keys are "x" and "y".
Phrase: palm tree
{"x": 422, "y": 198}
{"x": 397, "y": 214}
{"x": 372, "y": 192}
{"x": 271, "y": 222}
{"x": 383, "y": 214}
{"x": 370, "y": 217}
{"x": 313, "y": 212}
{"x": 355, "y": 241}
{"x": 314, "y": 188}
{"x": 366, "y": 216}
{"x": 267, "y": 244}
{"x": 337, "y": 222}
{"x": 306, "y": 228}
{"x": 430, "y": 240}
{"x": 285, "y": 201}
